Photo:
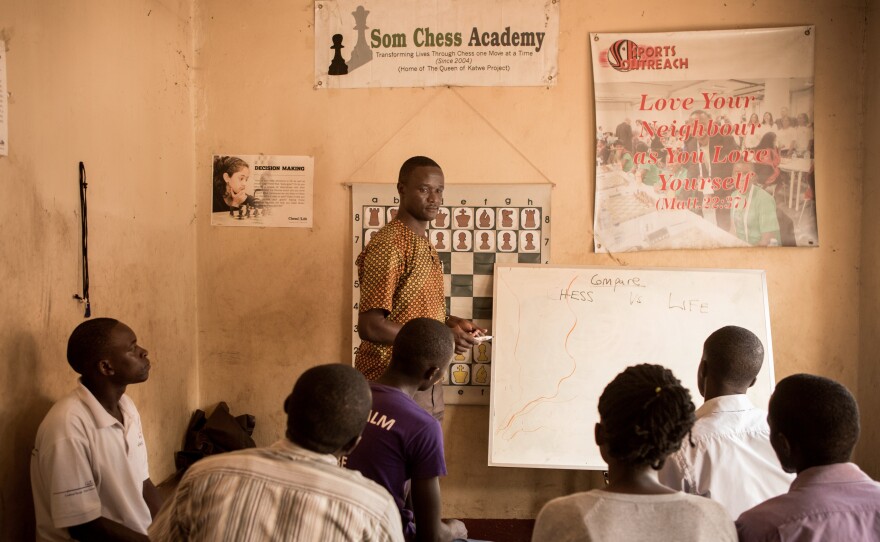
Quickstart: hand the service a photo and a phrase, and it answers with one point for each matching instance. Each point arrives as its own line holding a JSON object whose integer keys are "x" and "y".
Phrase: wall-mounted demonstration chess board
{"x": 476, "y": 227}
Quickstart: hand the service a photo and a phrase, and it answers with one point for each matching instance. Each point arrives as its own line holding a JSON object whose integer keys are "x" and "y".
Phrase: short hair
{"x": 411, "y": 164}
{"x": 733, "y": 355}
{"x": 89, "y": 342}
{"x": 328, "y": 407}
{"x": 817, "y": 415}
{"x": 420, "y": 344}
{"x": 645, "y": 413}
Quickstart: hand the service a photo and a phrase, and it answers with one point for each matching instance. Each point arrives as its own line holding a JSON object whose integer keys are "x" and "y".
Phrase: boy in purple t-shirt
{"x": 402, "y": 442}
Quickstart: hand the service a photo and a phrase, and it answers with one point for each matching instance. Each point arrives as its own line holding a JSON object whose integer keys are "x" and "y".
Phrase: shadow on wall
{"x": 23, "y": 409}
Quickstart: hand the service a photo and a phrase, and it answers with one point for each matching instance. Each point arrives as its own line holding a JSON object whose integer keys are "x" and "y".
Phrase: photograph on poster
{"x": 685, "y": 162}
{"x": 262, "y": 191}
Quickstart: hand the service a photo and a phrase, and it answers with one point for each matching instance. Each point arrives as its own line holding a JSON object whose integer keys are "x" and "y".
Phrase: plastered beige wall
{"x": 868, "y": 452}
{"x": 274, "y": 302}
{"x": 107, "y": 83}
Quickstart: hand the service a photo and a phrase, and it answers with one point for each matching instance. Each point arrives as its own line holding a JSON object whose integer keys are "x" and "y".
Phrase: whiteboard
{"x": 561, "y": 334}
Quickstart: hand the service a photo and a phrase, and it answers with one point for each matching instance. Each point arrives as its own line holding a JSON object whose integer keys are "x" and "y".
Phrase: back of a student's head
{"x": 328, "y": 408}
{"x": 89, "y": 342}
{"x": 421, "y": 344}
{"x": 733, "y": 355}
{"x": 645, "y": 413}
{"x": 818, "y": 417}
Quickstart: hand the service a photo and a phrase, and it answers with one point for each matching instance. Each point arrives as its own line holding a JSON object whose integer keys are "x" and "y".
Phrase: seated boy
{"x": 731, "y": 460}
{"x": 814, "y": 426}
{"x": 89, "y": 469}
{"x": 402, "y": 442}
{"x": 294, "y": 489}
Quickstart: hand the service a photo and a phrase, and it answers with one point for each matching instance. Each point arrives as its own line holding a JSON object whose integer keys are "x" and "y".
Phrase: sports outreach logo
{"x": 626, "y": 55}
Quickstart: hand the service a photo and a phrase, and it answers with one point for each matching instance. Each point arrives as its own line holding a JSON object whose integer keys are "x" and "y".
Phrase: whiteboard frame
{"x": 495, "y": 387}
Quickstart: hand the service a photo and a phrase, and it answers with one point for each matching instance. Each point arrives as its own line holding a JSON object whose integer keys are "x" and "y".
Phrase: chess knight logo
{"x": 360, "y": 55}
{"x": 627, "y": 55}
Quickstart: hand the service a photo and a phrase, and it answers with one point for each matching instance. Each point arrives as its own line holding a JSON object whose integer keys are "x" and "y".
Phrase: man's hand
{"x": 465, "y": 332}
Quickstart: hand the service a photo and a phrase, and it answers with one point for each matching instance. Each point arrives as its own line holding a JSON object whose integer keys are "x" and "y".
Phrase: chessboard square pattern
{"x": 482, "y": 308}
{"x": 484, "y": 264}
{"x": 526, "y": 257}
{"x": 446, "y": 260}
{"x": 464, "y": 357}
{"x": 461, "y": 307}
{"x": 462, "y": 240}
{"x": 460, "y": 374}
{"x": 507, "y": 257}
{"x": 511, "y": 214}
{"x": 529, "y": 241}
{"x": 461, "y": 263}
{"x": 463, "y": 218}
{"x": 481, "y": 374}
{"x": 482, "y": 353}
{"x": 374, "y": 216}
{"x": 441, "y": 222}
{"x": 462, "y": 286}
{"x": 482, "y": 285}
{"x": 530, "y": 224}
{"x": 485, "y": 218}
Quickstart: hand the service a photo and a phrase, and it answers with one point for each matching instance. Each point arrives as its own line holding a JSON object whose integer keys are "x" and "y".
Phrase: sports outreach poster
{"x": 428, "y": 43}
{"x": 704, "y": 139}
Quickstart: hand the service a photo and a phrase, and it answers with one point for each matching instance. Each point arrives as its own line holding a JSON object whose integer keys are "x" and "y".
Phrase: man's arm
{"x": 104, "y": 530}
{"x": 152, "y": 498}
{"x": 373, "y": 326}
{"x": 426, "y": 511}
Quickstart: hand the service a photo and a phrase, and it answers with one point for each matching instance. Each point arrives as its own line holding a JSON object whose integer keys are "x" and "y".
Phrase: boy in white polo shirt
{"x": 89, "y": 469}
{"x": 728, "y": 457}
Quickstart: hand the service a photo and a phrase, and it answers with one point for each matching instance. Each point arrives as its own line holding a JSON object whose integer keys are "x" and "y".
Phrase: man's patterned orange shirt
{"x": 399, "y": 272}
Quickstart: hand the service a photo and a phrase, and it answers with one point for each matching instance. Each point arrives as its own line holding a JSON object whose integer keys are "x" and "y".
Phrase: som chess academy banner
{"x": 704, "y": 139}
{"x": 429, "y": 43}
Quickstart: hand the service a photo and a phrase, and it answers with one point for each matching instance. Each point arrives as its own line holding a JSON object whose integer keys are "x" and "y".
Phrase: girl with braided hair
{"x": 644, "y": 414}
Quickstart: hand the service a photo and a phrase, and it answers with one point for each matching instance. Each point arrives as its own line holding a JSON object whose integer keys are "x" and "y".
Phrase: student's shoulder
{"x": 574, "y": 505}
{"x": 760, "y": 522}
{"x": 67, "y": 415}
{"x": 713, "y": 516}
{"x": 705, "y": 505}
{"x": 392, "y": 401}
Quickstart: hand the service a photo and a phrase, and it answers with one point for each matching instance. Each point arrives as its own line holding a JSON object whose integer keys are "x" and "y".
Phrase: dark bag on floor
{"x": 220, "y": 432}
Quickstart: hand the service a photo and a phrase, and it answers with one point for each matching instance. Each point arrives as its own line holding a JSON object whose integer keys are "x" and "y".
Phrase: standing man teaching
{"x": 401, "y": 278}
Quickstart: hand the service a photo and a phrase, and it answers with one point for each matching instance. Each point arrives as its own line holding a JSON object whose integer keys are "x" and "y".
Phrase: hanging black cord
{"x": 85, "y": 239}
